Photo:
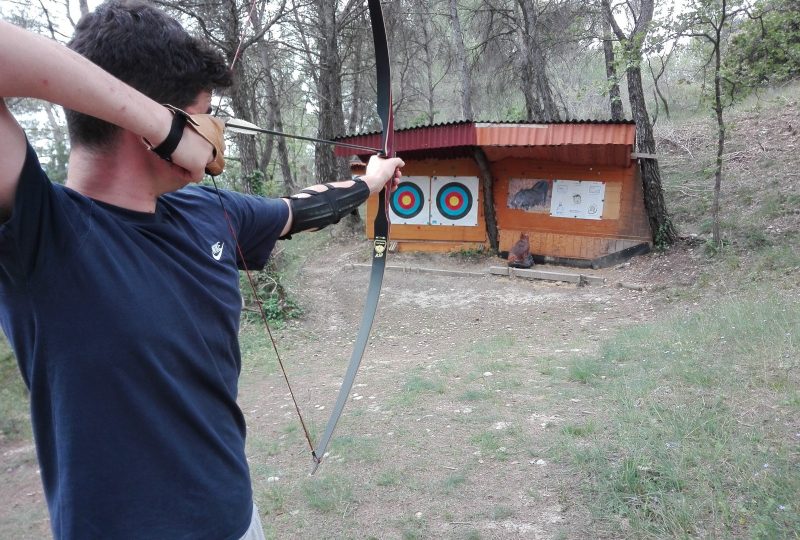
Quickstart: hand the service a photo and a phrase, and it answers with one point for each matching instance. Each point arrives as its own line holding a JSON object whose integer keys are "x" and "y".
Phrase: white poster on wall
{"x": 578, "y": 199}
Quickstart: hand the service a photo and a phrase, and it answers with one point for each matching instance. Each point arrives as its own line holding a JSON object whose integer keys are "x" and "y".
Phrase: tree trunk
{"x": 718, "y": 108}
{"x": 354, "y": 121}
{"x": 430, "y": 62}
{"x": 463, "y": 65}
{"x": 614, "y": 94}
{"x": 543, "y": 87}
{"x": 57, "y": 169}
{"x": 329, "y": 95}
{"x": 241, "y": 98}
{"x": 661, "y": 226}
{"x": 275, "y": 122}
{"x": 488, "y": 198}
{"x": 539, "y": 101}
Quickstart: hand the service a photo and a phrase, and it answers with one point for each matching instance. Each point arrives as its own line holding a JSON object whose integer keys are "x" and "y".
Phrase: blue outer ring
{"x": 466, "y": 196}
{"x": 395, "y": 202}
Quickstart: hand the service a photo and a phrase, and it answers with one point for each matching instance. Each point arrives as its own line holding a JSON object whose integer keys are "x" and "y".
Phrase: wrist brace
{"x": 321, "y": 209}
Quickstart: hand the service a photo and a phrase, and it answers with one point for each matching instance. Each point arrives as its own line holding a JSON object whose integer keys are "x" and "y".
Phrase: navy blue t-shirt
{"x": 125, "y": 328}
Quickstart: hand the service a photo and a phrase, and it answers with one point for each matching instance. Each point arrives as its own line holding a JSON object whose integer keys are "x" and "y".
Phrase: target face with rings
{"x": 454, "y": 201}
{"x": 407, "y": 200}
{"x": 410, "y": 203}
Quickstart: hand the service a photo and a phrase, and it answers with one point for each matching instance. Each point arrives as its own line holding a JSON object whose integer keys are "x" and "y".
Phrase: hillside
{"x": 760, "y": 204}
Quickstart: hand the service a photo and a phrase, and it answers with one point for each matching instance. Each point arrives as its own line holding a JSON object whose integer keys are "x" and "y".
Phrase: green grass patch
{"x": 256, "y": 349}
{"x": 501, "y": 512}
{"x": 272, "y": 499}
{"x": 475, "y": 394}
{"x": 696, "y": 441}
{"x": 414, "y": 528}
{"x": 388, "y": 478}
{"x": 453, "y": 482}
{"x": 355, "y": 448}
{"x": 418, "y": 385}
{"x": 14, "y": 400}
{"x": 328, "y": 494}
{"x": 778, "y": 259}
{"x": 584, "y": 370}
{"x": 492, "y": 351}
{"x": 579, "y": 430}
{"x": 500, "y": 444}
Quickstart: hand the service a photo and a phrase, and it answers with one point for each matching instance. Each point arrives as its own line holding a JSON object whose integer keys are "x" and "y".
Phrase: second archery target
{"x": 455, "y": 200}
{"x": 410, "y": 202}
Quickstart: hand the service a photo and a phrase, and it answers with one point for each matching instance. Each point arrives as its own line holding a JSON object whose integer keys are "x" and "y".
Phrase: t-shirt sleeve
{"x": 27, "y": 236}
{"x": 260, "y": 221}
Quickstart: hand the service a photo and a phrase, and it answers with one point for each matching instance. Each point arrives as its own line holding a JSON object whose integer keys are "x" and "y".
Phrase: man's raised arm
{"x": 34, "y": 66}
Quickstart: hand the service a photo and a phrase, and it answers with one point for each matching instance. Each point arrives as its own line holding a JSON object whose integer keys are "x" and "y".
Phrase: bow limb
{"x": 381, "y": 230}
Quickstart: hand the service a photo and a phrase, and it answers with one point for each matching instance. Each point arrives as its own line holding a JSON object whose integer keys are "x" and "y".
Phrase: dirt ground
{"x": 455, "y": 329}
{"x": 416, "y": 465}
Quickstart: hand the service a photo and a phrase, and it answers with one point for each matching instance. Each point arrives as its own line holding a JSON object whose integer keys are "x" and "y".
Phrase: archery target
{"x": 455, "y": 200}
{"x": 410, "y": 202}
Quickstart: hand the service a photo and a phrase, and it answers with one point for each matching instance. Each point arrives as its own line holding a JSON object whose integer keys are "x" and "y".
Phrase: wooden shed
{"x": 573, "y": 187}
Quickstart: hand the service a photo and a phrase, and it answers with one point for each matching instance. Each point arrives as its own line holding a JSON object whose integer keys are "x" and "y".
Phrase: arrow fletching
{"x": 242, "y": 126}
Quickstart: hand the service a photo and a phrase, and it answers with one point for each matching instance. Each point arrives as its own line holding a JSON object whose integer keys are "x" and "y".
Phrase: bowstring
{"x": 250, "y": 279}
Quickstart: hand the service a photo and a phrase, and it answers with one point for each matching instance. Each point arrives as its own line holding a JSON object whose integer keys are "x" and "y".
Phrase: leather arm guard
{"x": 324, "y": 208}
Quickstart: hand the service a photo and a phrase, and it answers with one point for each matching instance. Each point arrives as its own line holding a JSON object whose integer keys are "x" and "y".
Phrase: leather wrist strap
{"x": 168, "y": 146}
{"x": 205, "y": 125}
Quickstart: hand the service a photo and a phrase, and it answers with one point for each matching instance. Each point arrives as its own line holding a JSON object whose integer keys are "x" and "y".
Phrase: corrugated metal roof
{"x": 490, "y": 122}
{"x": 594, "y": 140}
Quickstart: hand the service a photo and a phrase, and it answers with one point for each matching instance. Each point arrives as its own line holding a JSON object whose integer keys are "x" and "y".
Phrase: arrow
{"x": 247, "y": 128}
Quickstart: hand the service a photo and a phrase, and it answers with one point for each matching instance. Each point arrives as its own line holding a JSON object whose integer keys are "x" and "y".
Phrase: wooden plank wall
{"x": 623, "y": 224}
{"x": 435, "y": 237}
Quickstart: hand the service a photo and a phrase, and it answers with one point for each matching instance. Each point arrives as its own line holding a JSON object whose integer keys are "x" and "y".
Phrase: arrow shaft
{"x": 304, "y": 138}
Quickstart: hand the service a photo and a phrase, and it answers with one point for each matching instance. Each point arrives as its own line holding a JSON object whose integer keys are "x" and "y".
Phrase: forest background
{"x": 306, "y": 68}
{"x": 713, "y": 88}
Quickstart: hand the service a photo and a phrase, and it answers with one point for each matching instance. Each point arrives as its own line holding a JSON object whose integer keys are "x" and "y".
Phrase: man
{"x": 119, "y": 291}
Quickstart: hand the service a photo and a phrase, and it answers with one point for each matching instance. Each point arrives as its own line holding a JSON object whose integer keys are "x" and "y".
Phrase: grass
{"x": 328, "y": 494}
{"x": 14, "y": 415}
{"x": 695, "y": 441}
{"x": 416, "y": 386}
{"x": 356, "y": 449}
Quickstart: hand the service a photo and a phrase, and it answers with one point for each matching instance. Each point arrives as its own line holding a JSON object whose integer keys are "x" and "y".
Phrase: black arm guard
{"x": 321, "y": 209}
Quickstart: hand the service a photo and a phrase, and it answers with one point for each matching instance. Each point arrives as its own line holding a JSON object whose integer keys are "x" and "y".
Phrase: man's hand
{"x": 383, "y": 171}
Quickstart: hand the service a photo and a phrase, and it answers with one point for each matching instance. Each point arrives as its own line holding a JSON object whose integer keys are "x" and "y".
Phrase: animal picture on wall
{"x": 529, "y": 195}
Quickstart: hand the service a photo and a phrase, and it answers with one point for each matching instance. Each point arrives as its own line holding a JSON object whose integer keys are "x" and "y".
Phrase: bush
{"x": 766, "y": 47}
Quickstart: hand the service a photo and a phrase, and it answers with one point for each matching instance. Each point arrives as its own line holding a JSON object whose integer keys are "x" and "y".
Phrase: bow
{"x": 381, "y": 232}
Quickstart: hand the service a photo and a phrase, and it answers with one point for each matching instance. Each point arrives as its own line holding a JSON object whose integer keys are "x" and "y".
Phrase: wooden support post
{"x": 488, "y": 197}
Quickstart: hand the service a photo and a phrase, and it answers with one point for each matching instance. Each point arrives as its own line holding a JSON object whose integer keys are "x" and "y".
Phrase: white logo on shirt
{"x": 216, "y": 250}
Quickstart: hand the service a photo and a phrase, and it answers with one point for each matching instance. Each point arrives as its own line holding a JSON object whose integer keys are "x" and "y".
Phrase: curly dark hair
{"x": 149, "y": 50}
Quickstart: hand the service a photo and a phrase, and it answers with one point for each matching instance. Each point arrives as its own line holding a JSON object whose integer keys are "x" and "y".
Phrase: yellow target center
{"x": 453, "y": 200}
{"x": 405, "y": 200}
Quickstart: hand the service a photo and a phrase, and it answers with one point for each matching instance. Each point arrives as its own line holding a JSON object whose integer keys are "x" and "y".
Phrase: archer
{"x": 120, "y": 290}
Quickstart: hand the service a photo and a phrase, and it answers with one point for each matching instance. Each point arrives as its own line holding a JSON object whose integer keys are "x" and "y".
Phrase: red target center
{"x": 454, "y": 201}
{"x": 406, "y": 201}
